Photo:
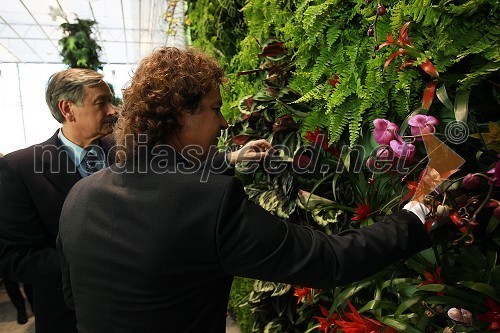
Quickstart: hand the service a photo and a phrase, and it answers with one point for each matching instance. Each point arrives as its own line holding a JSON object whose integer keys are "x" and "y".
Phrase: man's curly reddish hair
{"x": 167, "y": 83}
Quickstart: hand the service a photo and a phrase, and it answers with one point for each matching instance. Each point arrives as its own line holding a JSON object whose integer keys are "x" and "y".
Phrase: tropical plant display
{"x": 370, "y": 104}
{"x": 79, "y": 49}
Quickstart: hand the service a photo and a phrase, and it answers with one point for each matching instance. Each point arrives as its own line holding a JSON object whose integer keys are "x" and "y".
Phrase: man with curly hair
{"x": 148, "y": 245}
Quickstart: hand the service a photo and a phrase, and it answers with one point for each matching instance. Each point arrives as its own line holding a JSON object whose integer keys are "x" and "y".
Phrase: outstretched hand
{"x": 253, "y": 150}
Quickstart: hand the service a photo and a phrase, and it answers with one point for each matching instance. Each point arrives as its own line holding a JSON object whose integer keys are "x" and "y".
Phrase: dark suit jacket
{"x": 33, "y": 185}
{"x": 155, "y": 251}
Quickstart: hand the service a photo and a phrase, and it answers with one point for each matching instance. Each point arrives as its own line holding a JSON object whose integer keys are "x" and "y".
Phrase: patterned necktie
{"x": 91, "y": 162}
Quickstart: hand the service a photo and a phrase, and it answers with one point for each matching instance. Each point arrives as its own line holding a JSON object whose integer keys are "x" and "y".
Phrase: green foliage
{"x": 332, "y": 81}
{"x": 238, "y": 303}
{"x": 79, "y": 49}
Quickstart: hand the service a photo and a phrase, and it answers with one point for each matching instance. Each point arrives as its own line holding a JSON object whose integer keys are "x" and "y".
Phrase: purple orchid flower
{"x": 401, "y": 148}
{"x": 384, "y": 131}
{"x": 495, "y": 174}
{"x": 422, "y": 124}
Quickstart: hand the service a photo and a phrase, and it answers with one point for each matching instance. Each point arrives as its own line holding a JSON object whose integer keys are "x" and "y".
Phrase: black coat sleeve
{"x": 66, "y": 280}
{"x": 24, "y": 253}
{"x": 253, "y": 243}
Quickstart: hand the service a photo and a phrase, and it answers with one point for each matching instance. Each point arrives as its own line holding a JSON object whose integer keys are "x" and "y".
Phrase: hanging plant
{"x": 79, "y": 49}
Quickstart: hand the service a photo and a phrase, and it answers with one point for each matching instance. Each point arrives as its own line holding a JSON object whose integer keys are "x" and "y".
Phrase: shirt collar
{"x": 75, "y": 152}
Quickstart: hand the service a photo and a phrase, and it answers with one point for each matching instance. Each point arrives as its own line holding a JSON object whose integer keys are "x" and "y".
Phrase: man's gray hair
{"x": 68, "y": 85}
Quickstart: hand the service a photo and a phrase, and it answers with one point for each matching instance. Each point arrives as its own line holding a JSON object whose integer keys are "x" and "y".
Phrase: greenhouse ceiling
{"x": 127, "y": 30}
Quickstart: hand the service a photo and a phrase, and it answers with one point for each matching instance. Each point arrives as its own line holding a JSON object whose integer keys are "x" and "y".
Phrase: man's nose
{"x": 112, "y": 109}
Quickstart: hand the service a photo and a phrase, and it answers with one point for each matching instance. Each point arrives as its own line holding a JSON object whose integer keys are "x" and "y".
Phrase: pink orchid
{"x": 402, "y": 148}
{"x": 422, "y": 124}
{"x": 384, "y": 131}
{"x": 495, "y": 174}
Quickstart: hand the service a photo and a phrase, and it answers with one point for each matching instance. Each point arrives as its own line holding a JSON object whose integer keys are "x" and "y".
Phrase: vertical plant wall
{"x": 350, "y": 91}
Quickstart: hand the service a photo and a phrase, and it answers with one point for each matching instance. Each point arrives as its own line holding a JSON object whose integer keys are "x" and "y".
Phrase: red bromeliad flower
{"x": 303, "y": 293}
{"x": 457, "y": 220}
{"x": 355, "y": 323}
{"x": 408, "y": 49}
{"x": 412, "y": 187}
{"x": 361, "y": 212}
{"x": 433, "y": 278}
{"x": 325, "y": 323}
{"x": 319, "y": 138}
{"x": 491, "y": 317}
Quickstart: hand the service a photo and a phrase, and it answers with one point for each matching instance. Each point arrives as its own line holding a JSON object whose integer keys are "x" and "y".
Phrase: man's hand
{"x": 253, "y": 150}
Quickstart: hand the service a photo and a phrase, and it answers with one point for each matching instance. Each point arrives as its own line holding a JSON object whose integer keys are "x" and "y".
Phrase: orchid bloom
{"x": 460, "y": 315}
{"x": 384, "y": 131}
{"x": 422, "y": 124}
{"x": 401, "y": 148}
{"x": 495, "y": 174}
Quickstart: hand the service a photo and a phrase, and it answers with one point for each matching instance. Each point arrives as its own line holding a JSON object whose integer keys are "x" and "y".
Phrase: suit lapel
{"x": 59, "y": 169}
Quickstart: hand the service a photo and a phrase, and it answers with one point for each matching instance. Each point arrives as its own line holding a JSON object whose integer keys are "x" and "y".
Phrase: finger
{"x": 262, "y": 144}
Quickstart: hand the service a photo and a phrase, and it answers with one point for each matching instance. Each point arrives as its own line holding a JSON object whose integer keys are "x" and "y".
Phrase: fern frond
{"x": 314, "y": 94}
{"x": 320, "y": 68}
{"x": 478, "y": 75}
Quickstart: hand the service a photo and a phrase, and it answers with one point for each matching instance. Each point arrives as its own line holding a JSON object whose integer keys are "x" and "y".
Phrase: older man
{"x": 149, "y": 245}
{"x": 35, "y": 181}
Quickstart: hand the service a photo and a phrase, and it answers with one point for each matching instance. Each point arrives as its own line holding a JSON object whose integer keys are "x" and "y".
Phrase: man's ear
{"x": 65, "y": 108}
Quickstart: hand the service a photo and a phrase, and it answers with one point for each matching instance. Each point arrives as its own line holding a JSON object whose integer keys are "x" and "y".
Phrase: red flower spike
{"x": 389, "y": 41}
{"x": 429, "y": 68}
{"x": 317, "y": 136}
{"x": 408, "y": 63}
{"x": 491, "y": 317}
{"x": 392, "y": 57}
{"x": 428, "y": 96}
{"x": 326, "y": 323}
{"x": 404, "y": 39}
{"x": 456, "y": 218}
{"x": 322, "y": 139}
{"x": 433, "y": 278}
{"x": 412, "y": 187}
{"x": 362, "y": 212}
{"x": 357, "y": 323}
{"x": 303, "y": 293}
